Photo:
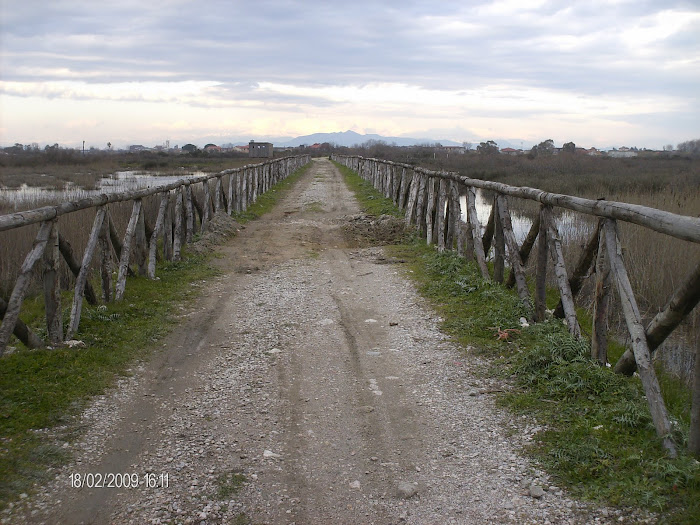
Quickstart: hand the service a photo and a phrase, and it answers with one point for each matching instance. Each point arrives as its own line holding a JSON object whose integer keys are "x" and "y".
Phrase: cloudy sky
{"x": 599, "y": 73}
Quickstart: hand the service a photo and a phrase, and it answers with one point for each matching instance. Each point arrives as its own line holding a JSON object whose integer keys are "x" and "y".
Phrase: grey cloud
{"x": 334, "y": 43}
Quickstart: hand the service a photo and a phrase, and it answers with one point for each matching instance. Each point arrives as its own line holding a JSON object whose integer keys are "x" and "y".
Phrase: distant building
{"x": 137, "y": 147}
{"x": 510, "y": 151}
{"x": 260, "y": 150}
{"x": 455, "y": 149}
{"x": 622, "y": 153}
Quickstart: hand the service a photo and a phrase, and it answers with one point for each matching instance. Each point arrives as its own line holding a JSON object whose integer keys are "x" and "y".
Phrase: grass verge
{"x": 41, "y": 391}
{"x": 599, "y": 440}
{"x": 267, "y": 200}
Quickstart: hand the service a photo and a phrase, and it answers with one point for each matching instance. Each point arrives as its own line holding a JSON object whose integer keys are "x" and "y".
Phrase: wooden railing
{"x": 175, "y": 220}
{"x": 431, "y": 201}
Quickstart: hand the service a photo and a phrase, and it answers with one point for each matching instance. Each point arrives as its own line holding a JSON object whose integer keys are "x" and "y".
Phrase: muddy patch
{"x": 367, "y": 230}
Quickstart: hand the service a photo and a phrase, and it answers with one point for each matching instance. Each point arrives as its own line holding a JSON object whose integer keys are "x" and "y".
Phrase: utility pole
{"x": 83, "y": 147}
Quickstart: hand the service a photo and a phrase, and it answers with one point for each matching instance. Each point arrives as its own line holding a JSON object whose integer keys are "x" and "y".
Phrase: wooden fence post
{"x": 126, "y": 251}
{"x": 153, "y": 244}
{"x": 168, "y": 230}
{"x": 189, "y": 214}
{"x": 105, "y": 260}
{"x": 229, "y": 200}
{"x": 20, "y": 289}
{"x": 140, "y": 249}
{"x": 205, "y": 207}
{"x": 177, "y": 238}
{"x": 84, "y": 272}
{"x": 440, "y": 215}
{"x": 430, "y": 213}
{"x": 541, "y": 271}
{"x": 52, "y": 287}
{"x": 475, "y": 227}
{"x": 657, "y": 407}
{"x": 601, "y": 303}
{"x": 499, "y": 246}
{"x": 562, "y": 279}
{"x": 516, "y": 263}
{"x": 410, "y": 215}
{"x": 421, "y": 201}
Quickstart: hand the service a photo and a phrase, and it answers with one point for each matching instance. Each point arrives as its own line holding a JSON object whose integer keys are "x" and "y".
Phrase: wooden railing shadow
{"x": 431, "y": 201}
{"x": 178, "y": 215}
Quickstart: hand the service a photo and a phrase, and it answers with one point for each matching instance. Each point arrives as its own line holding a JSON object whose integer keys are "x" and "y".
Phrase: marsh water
{"x": 571, "y": 226}
{"x": 27, "y": 197}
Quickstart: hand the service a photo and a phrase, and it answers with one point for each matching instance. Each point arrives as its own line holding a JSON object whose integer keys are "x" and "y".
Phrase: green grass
{"x": 370, "y": 200}
{"x": 600, "y": 443}
{"x": 229, "y": 483}
{"x": 267, "y": 200}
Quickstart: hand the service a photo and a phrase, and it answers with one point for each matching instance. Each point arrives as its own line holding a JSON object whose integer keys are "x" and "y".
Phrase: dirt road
{"x": 310, "y": 385}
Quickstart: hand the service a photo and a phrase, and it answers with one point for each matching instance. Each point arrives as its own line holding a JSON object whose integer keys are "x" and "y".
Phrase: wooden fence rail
{"x": 174, "y": 223}
{"x": 431, "y": 201}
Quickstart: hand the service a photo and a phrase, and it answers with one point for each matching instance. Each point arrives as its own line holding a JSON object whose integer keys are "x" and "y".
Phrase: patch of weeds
{"x": 242, "y": 519}
{"x": 267, "y": 200}
{"x": 371, "y": 201}
{"x": 229, "y": 483}
{"x": 314, "y": 207}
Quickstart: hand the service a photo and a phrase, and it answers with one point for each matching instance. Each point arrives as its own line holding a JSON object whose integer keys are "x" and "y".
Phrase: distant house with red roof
{"x": 510, "y": 151}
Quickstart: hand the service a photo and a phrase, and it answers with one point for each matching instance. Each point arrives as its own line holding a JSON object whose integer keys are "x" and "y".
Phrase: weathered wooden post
{"x": 657, "y": 407}
{"x": 189, "y": 214}
{"x": 513, "y": 252}
{"x": 562, "y": 276}
{"x": 205, "y": 207}
{"x": 475, "y": 227}
{"x": 153, "y": 244}
{"x": 541, "y": 271}
{"x": 126, "y": 251}
{"x": 601, "y": 303}
{"x": 84, "y": 272}
{"x": 229, "y": 201}
{"x": 440, "y": 214}
{"x": 52, "y": 287}
{"x": 499, "y": 246}
{"x": 168, "y": 230}
{"x": 177, "y": 238}
{"x": 105, "y": 260}
{"x": 430, "y": 213}
{"x": 20, "y": 289}
{"x": 140, "y": 249}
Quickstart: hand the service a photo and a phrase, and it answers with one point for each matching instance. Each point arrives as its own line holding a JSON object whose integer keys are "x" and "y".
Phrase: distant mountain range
{"x": 351, "y": 138}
